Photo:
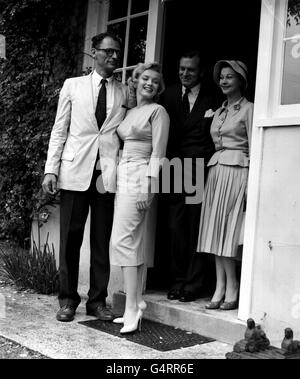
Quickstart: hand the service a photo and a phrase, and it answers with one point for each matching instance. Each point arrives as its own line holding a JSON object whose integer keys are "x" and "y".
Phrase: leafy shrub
{"x": 44, "y": 40}
{"x": 31, "y": 269}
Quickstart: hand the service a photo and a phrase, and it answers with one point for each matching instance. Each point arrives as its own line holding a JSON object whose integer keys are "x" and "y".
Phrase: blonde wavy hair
{"x": 141, "y": 67}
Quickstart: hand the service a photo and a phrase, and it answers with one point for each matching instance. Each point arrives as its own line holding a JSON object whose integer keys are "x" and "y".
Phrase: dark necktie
{"x": 101, "y": 104}
{"x": 186, "y": 103}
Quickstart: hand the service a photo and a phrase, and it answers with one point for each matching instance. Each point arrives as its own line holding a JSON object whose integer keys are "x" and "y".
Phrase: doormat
{"x": 155, "y": 335}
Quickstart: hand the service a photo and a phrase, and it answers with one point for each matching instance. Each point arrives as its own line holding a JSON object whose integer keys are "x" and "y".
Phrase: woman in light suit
{"x": 225, "y": 190}
{"x": 145, "y": 134}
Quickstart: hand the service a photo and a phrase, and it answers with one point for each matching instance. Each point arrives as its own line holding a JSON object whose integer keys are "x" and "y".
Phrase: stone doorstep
{"x": 223, "y": 326}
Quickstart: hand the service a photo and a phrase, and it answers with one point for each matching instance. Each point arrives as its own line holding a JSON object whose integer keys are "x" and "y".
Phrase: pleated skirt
{"x": 222, "y": 210}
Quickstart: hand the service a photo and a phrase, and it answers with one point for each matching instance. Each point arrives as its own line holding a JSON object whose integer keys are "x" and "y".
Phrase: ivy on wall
{"x": 44, "y": 46}
{"x": 293, "y": 11}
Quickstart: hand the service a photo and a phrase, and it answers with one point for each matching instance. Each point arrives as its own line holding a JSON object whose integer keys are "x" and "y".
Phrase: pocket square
{"x": 209, "y": 113}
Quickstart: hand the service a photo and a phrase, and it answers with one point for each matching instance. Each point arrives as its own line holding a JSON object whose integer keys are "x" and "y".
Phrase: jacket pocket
{"x": 68, "y": 156}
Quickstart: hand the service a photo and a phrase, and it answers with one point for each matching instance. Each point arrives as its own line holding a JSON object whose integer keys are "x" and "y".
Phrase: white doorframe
{"x": 96, "y": 22}
{"x": 155, "y": 31}
{"x": 267, "y": 113}
{"x": 260, "y": 109}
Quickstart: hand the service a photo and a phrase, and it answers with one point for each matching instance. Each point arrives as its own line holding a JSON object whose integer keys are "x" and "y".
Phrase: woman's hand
{"x": 132, "y": 87}
{"x": 146, "y": 195}
{"x": 144, "y": 201}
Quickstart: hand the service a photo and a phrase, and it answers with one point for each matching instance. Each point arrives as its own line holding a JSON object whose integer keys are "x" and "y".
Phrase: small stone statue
{"x": 288, "y": 344}
{"x": 250, "y": 329}
{"x": 258, "y": 340}
{"x": 254, "y": 339}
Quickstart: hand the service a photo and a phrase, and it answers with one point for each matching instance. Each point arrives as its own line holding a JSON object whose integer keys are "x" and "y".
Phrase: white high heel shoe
{"x": 136, "y": 325}
{"x": 120, "y": 320}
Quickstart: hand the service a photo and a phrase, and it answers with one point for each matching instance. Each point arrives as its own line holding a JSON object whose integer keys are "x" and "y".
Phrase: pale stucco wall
{"x": 276, "y": 273}
{"x": 52, "y": 227}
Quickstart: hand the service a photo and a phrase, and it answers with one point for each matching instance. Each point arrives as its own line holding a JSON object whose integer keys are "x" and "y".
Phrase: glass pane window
{"x": 131, "y": 29}
{"x": 291, "y": 66}
{"x": 128, "y": 74}
{"x": 119, "y": 29}
{"x": 137, "y": 40}
{"x": 117, "y": 9}
{"x": 139, "y": 6}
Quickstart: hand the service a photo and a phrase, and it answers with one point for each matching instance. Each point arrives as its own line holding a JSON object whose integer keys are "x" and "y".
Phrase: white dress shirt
{"x": 109, "y": 91}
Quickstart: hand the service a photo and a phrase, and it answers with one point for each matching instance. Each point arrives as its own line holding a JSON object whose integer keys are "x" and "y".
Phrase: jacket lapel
{"x": 90, "y": 97}
{"x": 178, "y": 104}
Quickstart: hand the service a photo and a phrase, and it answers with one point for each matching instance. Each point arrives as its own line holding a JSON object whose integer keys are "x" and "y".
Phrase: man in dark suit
{"x": 190, "y": 106}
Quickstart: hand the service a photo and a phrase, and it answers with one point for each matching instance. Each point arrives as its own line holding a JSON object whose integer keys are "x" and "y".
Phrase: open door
{"x": 220, "y": 30}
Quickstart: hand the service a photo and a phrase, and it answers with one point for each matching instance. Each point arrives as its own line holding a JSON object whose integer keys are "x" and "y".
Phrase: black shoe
{"x": 187, "y": 296}
{"x": 174, "y": 294}
{"x": 102, "y": 313}
{"x": 66, "y": 313}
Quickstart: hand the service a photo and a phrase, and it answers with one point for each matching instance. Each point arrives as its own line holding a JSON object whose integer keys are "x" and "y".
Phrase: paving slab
{"x": 11, "y": 350}
{"x": 29, "y": 319}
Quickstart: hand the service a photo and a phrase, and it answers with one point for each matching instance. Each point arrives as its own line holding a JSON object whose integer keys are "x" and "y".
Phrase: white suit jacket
{"x": 75, "y": 137}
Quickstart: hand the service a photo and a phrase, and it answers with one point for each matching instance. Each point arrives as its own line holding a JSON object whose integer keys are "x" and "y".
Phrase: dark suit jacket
{"x": 191, "y": 137}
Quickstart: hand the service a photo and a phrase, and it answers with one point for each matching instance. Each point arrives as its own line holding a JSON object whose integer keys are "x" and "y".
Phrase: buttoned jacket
{"x": 76, "y": 139}
{"x": 232, "y": 134}
{"x": 189, "y": 137}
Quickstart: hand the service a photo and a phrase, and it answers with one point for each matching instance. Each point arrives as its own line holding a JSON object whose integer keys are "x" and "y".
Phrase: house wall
{"x": 272, "y": 243}
{"x": 270, "y": 282}
{"x": 275, "y": 299}
{"x": 52, "y": 227}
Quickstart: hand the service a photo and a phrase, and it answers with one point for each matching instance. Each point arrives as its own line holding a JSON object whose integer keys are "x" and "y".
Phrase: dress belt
{"x": 137, "y": 149}
{"x": 230, "y": 148}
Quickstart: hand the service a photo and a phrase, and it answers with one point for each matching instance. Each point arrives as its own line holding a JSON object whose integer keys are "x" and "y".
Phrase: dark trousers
{"x": 184, "y": 220}
{"x": 189, "y": 269}
{"x": 74, "y": 210}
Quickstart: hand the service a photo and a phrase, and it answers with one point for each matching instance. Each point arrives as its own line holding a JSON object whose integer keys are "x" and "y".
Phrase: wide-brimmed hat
{"x": 237, "y": 66}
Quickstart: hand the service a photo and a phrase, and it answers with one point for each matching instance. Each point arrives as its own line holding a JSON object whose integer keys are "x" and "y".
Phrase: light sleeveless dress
{"x": 145, "y": 133}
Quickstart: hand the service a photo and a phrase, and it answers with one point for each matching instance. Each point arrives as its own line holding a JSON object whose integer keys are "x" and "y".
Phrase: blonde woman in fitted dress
{"x": 145, "y": 132}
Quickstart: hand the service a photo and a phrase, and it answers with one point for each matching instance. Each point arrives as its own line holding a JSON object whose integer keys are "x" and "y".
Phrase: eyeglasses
{"x": 110, "y": 52}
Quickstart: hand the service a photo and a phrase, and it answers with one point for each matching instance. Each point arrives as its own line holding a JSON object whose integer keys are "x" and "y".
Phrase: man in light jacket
{"x": 81, "y": 162}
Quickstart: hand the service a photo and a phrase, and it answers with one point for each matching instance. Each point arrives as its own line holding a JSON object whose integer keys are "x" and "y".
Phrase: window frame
{"x": 126, "y": 19}
{"x": 268, "y": 110}
{"x": 97, "y": 22}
